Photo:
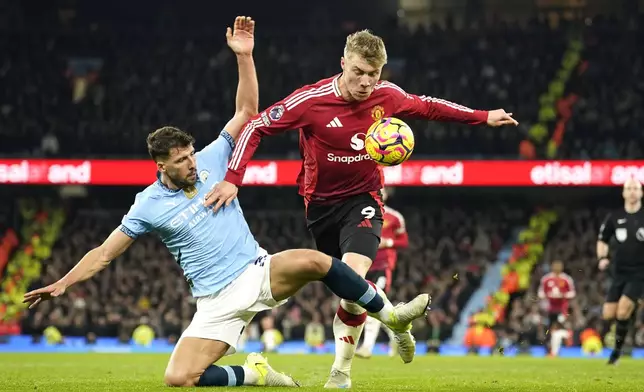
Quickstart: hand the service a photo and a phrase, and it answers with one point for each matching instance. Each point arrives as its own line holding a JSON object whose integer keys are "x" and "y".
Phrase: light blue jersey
{"x": 213, "y": 249}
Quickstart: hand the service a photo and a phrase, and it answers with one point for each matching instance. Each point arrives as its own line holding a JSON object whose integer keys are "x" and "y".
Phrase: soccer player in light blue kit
{"x": 227, "y": 271}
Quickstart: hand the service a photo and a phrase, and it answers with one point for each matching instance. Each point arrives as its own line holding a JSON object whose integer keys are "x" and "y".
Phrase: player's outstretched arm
{"x": 241, "y": 39}
{"x": 438, "y": 109}
{"x": 93, "y": 261}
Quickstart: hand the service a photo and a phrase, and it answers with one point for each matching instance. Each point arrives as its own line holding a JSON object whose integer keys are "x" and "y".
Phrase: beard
{"x": 184, "y": 182}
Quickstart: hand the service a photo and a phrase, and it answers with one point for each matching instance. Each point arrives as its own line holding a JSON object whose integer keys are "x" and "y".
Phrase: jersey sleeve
{"x": 218, "y": 152}
{"x": 607, "y": 229}
{"x": 135, "y": 222}
{"x": 287, "y": 114}
{"x": 430, "y": 108}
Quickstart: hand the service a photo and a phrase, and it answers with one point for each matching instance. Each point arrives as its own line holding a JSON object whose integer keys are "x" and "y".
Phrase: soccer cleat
{"x": 338, "y": 380}
{"x": 405, "y": 313}
{"x": 363, "y": 352}
{"x": 268, "y": 377}
{"x": 406, "y": 345}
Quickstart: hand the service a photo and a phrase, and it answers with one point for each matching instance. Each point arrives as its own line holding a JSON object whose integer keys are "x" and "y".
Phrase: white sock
{"x": 371, "y": 329}
{"x": 346, "y": 337}
{"x": 555, "y": 340}
{"x": 384, "y": 315}
{"x": 250, "y": 376}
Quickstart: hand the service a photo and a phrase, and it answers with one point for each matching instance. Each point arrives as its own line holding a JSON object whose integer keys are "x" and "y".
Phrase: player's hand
{"x": 603, "y": 264}
{"x": 385, "y": 243}
{"x": 224, "y": 192}
{"x": 35, "y": 297}
{"x": 498, "y": 117}
{"x": 241, "y": 38}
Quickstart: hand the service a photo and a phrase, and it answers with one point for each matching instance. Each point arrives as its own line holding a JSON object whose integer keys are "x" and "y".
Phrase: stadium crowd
{"x": 65, "y": 88}
{"x": 607, "y": 118}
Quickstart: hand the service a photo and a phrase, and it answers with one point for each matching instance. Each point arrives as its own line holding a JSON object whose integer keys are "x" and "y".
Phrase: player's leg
{"x": 214, "y": 332}
{"x": 359, "y": 240}
{"x": 292, "y": 269}
{"x": 609, "y": 309}
{"x": 192, "y": 364}
{"x": 552, "y": 326}
{"x": 558, "y": 333}
{"x": 372, "y": 326}
{"x": 625, "y": 308}
{"x": 349, "y": 318}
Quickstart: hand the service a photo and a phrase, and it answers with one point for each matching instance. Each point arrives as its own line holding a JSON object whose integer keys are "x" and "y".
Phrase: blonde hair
{"x": 368, "y": 46}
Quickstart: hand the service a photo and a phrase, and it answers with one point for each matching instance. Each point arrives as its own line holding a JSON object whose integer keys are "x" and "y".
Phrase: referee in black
{"x": 626, "y": 226}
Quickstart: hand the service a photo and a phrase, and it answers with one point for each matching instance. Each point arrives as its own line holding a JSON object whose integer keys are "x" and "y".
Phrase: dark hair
{"x": 164, "y": 139}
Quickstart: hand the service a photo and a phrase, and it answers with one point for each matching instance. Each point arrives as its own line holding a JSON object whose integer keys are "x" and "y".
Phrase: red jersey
{"x": 394, "y": 237}
{"x": 332, "y": 130}
{"x": 558, "y": 290}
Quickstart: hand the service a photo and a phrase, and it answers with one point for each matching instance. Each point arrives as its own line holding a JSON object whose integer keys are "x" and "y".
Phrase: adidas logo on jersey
{"x": 365, "y": 223}
{"x": 335, "y": 123}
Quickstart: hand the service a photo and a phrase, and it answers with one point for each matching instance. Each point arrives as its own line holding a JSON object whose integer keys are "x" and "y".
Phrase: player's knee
{"x": 624, "y": 308}
{"x": 313, "y": 264}
{"x": 609, "y": 311}
{"x": 357, "y": 262}
{"x": 624, "y": 313}
{"x": 177, "y": 378}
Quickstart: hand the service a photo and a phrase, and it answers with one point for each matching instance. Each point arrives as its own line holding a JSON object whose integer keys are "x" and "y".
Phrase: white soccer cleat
{"x": 268, "y": 377}
{"x": 363, "y": 352}
{"x": 406, "y": 345}
{"x": 403, "y": 315}
{"x": 338, "y": 380}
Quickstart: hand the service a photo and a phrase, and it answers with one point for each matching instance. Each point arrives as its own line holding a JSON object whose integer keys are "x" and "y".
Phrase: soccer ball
{"x": 389, "y": 141}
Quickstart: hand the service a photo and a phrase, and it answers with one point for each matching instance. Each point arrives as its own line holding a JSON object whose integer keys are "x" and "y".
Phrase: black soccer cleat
{"x": 614, "y": 357}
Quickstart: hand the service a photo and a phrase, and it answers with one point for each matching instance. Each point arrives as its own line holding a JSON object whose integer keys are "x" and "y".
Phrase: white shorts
{"x": 224, "y": 315}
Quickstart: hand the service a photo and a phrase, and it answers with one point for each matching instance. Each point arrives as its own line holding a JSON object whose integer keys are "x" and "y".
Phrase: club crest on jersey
{"x": 190, "y": 192}
{"x": 203, "y": 175}
{"x": 276, "y": 112}
{"x": 621, "y": 234}
{"x": 377, "y": 112}
{"x": 639, "y": 234}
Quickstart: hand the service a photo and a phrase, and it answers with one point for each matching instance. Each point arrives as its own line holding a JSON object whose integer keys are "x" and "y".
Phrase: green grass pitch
{"x": 144, "y": 372}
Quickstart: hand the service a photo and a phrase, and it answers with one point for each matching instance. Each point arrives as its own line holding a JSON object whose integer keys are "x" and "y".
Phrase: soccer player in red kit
{"x": 339, "y": 182}
{"x": 558, "y": 288}
{"x": 394, "y": 236}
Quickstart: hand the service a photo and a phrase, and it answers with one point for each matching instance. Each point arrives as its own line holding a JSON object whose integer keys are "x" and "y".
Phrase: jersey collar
{"x": 336, "y": 85}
